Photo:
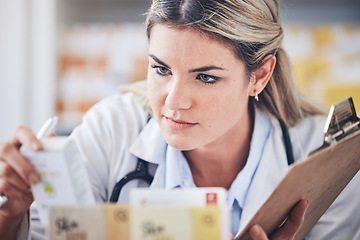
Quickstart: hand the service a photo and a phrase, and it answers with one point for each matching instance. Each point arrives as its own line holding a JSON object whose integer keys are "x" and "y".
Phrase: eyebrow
{"x": 158, "y": 60}
{"x": 206, "y": 68}
{"x": 201, "y": 69}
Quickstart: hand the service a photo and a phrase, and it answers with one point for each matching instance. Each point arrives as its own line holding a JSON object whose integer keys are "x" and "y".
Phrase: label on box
{"x": 196, "y": 197}
{"x": 176, "y": 223}
{"x": 89, "y": 222}
{"x": 193, "y": 202}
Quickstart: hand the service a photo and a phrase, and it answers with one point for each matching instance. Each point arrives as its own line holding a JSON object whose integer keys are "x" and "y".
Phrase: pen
{"x": 3, "y": 199}
{"x": 46, "y": 129}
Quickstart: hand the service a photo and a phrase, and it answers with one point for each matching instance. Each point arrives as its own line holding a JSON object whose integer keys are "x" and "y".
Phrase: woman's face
{"x": 198, "y": 89}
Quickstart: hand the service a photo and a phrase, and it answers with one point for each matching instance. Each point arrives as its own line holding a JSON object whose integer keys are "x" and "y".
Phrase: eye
{"x": 161, "y": 70}
{"x": 207, "y": 78}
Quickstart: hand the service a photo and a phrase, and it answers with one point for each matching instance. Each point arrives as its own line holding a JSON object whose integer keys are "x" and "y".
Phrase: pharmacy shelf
{"x": 29, "y": 51}
{"x": 100, "y": 11}
{"x": 320, "y": 11}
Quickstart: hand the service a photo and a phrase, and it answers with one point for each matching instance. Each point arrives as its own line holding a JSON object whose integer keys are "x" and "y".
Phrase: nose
{"x": 179, "y": 96}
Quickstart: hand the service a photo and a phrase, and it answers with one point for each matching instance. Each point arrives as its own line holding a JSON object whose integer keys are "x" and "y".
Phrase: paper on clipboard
{"x": 319, "y": 179}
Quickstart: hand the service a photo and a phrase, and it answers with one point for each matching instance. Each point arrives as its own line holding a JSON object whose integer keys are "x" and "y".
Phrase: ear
{"x": 261, "y": 76}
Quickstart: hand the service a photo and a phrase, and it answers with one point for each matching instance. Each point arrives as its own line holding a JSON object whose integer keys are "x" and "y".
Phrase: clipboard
{"x": 319, "y": 179}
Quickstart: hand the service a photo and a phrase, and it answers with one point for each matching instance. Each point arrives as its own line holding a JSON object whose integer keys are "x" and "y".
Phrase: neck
{"x": 217, "y": 164}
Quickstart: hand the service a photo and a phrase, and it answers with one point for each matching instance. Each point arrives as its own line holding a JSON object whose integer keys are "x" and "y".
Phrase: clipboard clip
{"x": 342, "y": 122}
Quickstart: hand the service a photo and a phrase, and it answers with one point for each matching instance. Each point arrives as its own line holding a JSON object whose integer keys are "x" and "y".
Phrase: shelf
{"x": 320, "y": 11}
{"x": 86, "y": 11}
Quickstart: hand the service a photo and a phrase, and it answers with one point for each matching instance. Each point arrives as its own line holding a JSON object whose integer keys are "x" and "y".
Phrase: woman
{"x": 219, "y": 86}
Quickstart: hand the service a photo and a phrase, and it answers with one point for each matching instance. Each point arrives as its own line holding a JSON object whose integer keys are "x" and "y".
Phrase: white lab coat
{"x": 116, "y": 131}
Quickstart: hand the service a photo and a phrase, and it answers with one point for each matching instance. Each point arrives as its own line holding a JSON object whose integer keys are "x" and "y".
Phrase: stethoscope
{"x": 141, "y": 171}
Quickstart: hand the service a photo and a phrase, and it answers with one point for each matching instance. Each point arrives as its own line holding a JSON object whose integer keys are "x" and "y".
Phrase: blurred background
{"x": 61, "y": 56}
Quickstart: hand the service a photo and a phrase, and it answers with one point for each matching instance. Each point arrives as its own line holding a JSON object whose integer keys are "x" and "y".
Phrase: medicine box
{"x": 64, "y": 177}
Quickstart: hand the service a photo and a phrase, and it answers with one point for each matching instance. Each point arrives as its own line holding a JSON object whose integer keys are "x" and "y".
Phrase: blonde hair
{"x": 252, "y": 28}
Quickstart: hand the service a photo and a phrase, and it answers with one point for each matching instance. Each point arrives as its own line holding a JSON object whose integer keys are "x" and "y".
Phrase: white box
{"x": 64, "y": 177}
{"x": 176, "y": 213}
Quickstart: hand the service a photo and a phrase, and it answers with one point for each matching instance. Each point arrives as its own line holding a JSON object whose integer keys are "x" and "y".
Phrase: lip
{"x": 178, "y": 124}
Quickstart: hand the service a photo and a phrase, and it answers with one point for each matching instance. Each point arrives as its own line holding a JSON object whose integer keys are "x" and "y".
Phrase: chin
{"x": 182, "y": 145}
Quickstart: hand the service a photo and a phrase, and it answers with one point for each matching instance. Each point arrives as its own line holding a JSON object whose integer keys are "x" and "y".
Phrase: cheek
{"x": 155, "y": 93}
{"x": 227, "y": 107}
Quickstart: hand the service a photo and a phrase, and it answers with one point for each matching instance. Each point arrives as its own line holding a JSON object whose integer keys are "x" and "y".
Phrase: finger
{"x": 298, "y": 213}
{"x": 8, "y": 174}
{"x": 17, "y": 206}
{"x": 294, "y": 221}
{"x": 257, "y": 233}
{"x": 11, "y": 155}
{"x": 231, "y": 237}
{"x": 24, "y": 136}
{"x": 12, "y": 191}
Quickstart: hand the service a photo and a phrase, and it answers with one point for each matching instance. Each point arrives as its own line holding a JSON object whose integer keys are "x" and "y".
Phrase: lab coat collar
{"x": 150, "y": 144}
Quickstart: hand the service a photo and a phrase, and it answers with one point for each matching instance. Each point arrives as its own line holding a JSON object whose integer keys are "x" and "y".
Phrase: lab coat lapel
{"x": 151, "y": 147}
{"x": 149, "y": 142}
{"x": 271, "y": 170}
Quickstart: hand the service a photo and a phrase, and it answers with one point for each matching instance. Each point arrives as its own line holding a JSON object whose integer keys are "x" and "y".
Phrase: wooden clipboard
{"x": 319, "y": 179}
